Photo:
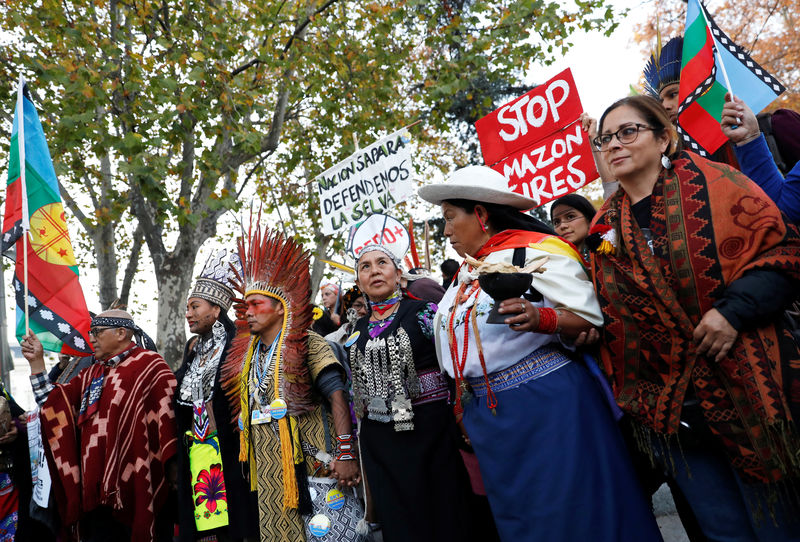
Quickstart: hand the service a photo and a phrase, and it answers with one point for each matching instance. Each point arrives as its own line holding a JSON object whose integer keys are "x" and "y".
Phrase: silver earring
{"x": 666, "y": 162}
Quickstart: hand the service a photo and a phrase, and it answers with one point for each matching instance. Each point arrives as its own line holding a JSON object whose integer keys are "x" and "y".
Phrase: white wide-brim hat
{"x": 476, "y": 183}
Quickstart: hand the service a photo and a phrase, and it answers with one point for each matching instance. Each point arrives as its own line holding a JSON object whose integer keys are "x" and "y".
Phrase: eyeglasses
{"x": 95, "y": 331}
{"x": 625, "y": 135}
{"x": 568, "y": 217}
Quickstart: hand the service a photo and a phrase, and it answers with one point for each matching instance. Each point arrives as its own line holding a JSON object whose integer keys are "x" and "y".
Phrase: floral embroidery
{"x": 210, "y": 487}
{"x": 425, "y": 319}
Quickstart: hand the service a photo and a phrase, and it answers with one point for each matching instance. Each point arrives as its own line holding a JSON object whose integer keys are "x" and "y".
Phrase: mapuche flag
{"x": 707, "y": 55}
{"x": 56, "y": 306}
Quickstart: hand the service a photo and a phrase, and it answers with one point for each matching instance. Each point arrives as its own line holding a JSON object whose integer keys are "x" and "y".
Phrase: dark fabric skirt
{"x": 554, "y": 464}
{"x": 417, "y": 478}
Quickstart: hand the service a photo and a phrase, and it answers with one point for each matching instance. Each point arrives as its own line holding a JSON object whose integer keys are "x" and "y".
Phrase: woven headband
{"x": 142, "y": 338}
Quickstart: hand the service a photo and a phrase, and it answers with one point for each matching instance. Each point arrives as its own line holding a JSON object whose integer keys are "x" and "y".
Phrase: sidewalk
{"x": 667, "y": 516}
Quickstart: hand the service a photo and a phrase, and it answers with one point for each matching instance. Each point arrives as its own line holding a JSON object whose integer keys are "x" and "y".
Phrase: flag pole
{"x": 26, "y": 224}
{"x": 428, "y": 246}
{"x": 716, "y": 51}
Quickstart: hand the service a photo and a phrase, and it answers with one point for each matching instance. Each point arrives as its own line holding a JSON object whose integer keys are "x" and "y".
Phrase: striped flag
{"x": 56, "y": 306}
{"x": 708, "y": 56}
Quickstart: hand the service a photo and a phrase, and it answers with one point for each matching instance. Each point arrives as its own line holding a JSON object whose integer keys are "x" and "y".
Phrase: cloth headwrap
{"x": 370, "y": 248}
{"x": 330, "y": 285}
{"x": 142, "y": 338}
{"x": 664, "y": 67}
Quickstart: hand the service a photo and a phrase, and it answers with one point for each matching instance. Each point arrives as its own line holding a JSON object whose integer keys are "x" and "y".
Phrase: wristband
{"x": 345, "y": 448}
{"x": 548, "y": 321}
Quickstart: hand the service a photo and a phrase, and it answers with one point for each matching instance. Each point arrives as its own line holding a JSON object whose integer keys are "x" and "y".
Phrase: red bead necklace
{"x": 459, "y": 364}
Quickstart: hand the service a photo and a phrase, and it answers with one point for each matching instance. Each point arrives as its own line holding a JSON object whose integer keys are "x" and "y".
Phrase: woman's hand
{"x": 714, "y": 335}
{"x": 739, "y": 123}
{"x": 525, "y": 317}
{"x": 587, "y": 338}
{"x": 346, "y": 472}
{"x": 589, "y": 125}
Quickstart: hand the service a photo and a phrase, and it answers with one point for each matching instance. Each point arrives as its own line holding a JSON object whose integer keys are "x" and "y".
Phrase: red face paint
{"x": 263, "y": 313}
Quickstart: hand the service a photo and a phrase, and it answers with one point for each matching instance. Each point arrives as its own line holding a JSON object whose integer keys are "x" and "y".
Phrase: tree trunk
{"x": 318, "y": 267}
{"x": 132, "y": 267}
{"x": 174, "y": 281}
{"x": 107, "y": 267}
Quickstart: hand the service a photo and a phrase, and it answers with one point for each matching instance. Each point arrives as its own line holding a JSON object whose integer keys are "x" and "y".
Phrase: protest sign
{"x": 551, "y": 168}
{"x": 40, "y": 473}
{"x": 369, "y": 181}
{"x": 379, "y": 229}
{"x": 537, "y": 142}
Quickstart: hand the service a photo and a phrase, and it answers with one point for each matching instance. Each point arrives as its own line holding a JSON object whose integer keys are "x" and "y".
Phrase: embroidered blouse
{"x": 564, "y": 284}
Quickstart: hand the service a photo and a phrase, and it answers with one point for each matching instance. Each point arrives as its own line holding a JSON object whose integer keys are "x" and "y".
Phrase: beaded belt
{"x": 432, "y": 387}
{"x": 537, "y": 364}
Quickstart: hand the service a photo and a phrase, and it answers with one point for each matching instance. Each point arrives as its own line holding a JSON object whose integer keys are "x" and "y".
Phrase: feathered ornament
{"x": 602, "y": 239}
{"x": 664, "y": 66}
{"x": 277, "y": 267}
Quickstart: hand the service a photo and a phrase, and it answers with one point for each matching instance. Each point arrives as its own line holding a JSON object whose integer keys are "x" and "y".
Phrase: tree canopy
{"x": 160, "y": 114}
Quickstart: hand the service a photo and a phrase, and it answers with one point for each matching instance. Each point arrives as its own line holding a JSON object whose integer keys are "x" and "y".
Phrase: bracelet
{"x": 345, "y": 448}
{"x": 548, "y": 321}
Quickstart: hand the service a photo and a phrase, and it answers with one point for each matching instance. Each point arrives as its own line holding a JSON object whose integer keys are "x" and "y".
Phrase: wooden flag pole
{"x": 26, "y": 225}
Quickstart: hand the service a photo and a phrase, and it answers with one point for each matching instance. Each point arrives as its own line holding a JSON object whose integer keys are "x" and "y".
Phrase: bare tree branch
{"x": 770, "y": 13}
{"x": 300, "y": 29}
{"x": 76, "y": 210}
{"x": 250, "y": 174}
{"x": 133, "y": 264}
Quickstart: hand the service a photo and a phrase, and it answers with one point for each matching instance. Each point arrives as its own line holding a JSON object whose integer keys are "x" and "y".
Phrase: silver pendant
{"x": 377, "y": 410}
{"x": 402, "y": 414}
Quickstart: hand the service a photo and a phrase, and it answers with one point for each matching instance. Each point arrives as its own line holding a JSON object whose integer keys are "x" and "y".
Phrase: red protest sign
{"x": 530, "y": 118}
{"x": 552, "y": 167}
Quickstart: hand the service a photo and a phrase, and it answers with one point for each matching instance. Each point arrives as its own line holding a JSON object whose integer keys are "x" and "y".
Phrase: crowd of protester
{"x": 555, "y": 379}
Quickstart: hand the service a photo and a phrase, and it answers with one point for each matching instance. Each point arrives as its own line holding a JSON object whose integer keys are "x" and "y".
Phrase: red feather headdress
{"x": 277, "y": 267}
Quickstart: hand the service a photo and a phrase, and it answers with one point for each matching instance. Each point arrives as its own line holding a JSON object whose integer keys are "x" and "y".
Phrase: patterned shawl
{"x": 116, "y": 457}
{"x": 710, "y": 224}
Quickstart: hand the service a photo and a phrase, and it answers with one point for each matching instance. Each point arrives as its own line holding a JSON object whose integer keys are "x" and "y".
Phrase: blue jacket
{"x": 756, "y": 162}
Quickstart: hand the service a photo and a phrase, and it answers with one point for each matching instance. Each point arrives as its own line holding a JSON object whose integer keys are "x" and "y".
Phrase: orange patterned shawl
{"x": 710, "y": 225}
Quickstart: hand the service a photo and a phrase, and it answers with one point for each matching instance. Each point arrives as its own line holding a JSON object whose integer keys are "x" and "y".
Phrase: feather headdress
{"x": 276, "y": 267}
{"x": 664, "y": 66}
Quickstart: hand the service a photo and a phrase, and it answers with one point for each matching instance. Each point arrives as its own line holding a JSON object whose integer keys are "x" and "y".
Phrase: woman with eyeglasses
{"x": 571, "y": 216}
{"x": 693, "y": 264}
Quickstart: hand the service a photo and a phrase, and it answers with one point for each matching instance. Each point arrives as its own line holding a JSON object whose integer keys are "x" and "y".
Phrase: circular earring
{"x": 666, "y": 162}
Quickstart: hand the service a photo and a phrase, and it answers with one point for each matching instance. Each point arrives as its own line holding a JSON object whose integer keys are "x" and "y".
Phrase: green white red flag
{"x": 711, "y": 66}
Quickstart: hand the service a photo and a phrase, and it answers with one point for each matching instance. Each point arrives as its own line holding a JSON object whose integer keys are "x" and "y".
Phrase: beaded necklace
{"x": 462, "y": 391}
{"x": 382, "y": 307}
